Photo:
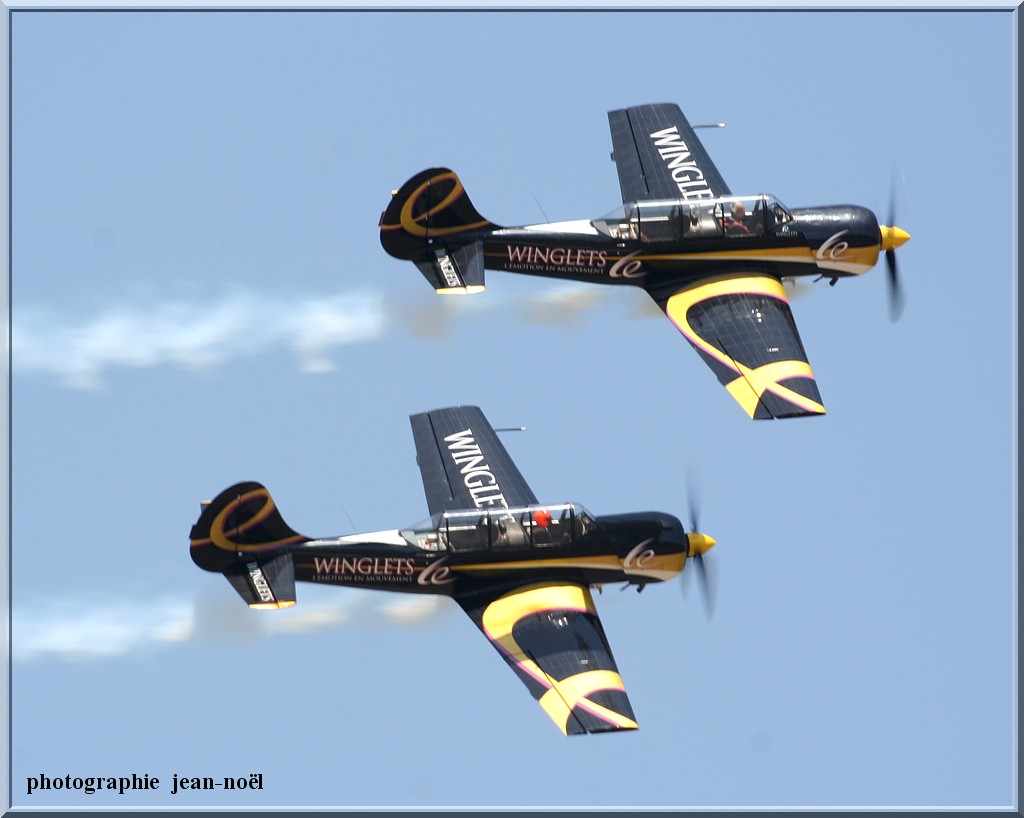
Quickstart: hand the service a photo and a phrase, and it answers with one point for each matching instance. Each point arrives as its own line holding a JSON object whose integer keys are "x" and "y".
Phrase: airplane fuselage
{"x": 632, "y": 548}
{"x": 520, "y": 569}
{"x": 828, "y": 241}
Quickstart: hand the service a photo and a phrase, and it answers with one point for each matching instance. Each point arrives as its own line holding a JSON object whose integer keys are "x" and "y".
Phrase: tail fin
{"x": 431, "y": 208}
{"x": 242, "y": 535}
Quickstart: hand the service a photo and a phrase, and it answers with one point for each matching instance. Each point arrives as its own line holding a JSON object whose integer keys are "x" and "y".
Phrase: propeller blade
{"x": 895, "y": 293}
{"x": 892, "y": 238}
{"x": 693, "y": 502}
{"x": 699, "y": 543}
{"x": 706, "y": 585}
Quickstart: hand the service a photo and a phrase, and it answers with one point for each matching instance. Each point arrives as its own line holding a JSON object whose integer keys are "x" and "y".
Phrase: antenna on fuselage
{"x": 545, "y": 215}
{"x": 354, "y": 529}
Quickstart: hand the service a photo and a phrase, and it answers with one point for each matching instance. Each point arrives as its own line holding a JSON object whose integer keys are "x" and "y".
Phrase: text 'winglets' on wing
{"x": 463, "y": 463}
{"x": 550, "y": 635}
{"x": 744, "y": 330}
{"x": 658, "y": 155}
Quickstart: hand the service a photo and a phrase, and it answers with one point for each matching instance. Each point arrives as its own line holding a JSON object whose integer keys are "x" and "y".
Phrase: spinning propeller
{"x": 699, "y": 545}
{"x": 891, "y": 238}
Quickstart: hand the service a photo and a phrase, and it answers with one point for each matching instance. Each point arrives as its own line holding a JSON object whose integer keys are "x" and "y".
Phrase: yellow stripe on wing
{"x": 500, "y": 618}
{"x": 751, "y": 383}
{"x": 572, "y": 692}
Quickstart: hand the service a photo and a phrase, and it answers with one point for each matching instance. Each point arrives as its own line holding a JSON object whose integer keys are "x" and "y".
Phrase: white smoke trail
{"x": 193, "y": 336}
{"x": 83, "y": 630}
{"x": 203, "y": 336}
{"x": 87, "y": 631}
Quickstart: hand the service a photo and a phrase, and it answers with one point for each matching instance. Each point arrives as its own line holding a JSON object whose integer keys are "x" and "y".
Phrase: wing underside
{"x": 463, "y": 463}
{"x": 743, "y": 328}
{"x": 551, "y": 636}
{"x": 658, "y": 155}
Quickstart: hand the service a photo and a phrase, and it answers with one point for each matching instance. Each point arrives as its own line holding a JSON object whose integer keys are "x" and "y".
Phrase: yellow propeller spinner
{"x": 892, "y": 237}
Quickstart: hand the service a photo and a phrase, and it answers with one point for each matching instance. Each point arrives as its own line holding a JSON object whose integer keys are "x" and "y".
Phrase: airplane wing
{"x": 463, "y": 464}
{"x": 739, "y": 323}
{"x": 658, "y": 155}
{"x": 742, "y": 327}
{"x": 550, "y": 635}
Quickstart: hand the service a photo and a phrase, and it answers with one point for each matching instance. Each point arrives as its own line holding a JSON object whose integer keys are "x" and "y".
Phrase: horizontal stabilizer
{"x": 455, "y": 270}
{"x": 265, "y": 583}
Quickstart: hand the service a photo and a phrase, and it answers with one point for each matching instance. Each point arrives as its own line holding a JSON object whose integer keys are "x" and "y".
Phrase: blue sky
{"x": 199, "y": 297}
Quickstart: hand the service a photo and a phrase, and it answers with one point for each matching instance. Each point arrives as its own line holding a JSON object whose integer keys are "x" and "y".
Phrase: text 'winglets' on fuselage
{"x": 521, "y": 569}
{"x": 678, "y": 233}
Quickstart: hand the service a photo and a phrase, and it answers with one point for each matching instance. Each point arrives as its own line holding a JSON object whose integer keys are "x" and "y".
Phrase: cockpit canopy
{"x": 674, "y": 220}
{"x": 483, "y": 529}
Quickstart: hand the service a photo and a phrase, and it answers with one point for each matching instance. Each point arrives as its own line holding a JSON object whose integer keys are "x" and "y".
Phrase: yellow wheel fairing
{"x": 558, "y": 697}
{"x": 788, "y": 382}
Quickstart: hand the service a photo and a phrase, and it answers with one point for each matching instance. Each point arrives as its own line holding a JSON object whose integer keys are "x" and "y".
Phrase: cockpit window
{"x": 675, "y": 220}
{"x": 615, "y": 225}
{"x": 424, "y": 535}
{"x": 778, "y": 214}
{"x": 524, "y": 527}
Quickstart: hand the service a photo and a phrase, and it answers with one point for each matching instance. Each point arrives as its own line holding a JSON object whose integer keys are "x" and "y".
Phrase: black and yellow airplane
{"x": 522, "y": 570}
{"x": 712, "y": 261}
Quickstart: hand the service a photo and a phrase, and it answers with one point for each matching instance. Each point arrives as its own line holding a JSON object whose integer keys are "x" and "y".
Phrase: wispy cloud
{"x": 85, "y": 630}
{"x": 201, "y": 336}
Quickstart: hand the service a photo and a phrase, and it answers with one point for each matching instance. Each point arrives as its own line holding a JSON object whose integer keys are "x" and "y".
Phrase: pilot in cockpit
{"x": 736, "y": 221}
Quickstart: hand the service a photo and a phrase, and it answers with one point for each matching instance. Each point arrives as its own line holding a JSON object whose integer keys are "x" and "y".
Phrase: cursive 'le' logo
{"x": 628, "y": 267}
{"x": 640, "y": 556}
{"x": 437, "y": 573}
{"x": 832, "y": 248}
